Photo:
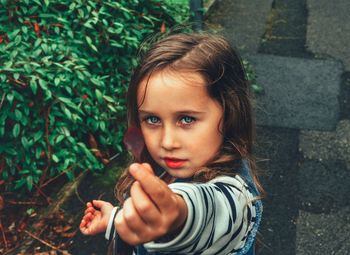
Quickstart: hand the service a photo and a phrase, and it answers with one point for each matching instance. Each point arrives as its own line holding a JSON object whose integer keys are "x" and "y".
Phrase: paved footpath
{"x": 300, "y": 52}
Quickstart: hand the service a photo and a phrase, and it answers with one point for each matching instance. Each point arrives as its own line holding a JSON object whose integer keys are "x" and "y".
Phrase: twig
{"x": 2, "y": 100}
{"x": 76, "y": 190}
{"x": 43, "y": 241}
{"x": 49, "y": 152}
{"x": 3, "y": 235}
{"x": 54, "y": 178}
{"x": 23, "y": 203}
{"x": 43, "y": 194}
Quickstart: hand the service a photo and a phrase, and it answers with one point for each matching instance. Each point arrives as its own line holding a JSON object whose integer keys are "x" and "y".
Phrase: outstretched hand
{"x": 153, "y": 210}
{"x": 95, "y": 220}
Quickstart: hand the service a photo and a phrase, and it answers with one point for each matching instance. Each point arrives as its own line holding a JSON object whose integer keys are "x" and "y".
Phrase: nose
{"x": 169, "y": 139}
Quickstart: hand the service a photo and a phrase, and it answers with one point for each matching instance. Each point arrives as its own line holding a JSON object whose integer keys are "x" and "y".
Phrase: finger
{"x": 82, "y": 224}
{"x": 144, "y": 206}
{"x": 132, "y": 218}
{"x": 89, "y": 210}
{"x": 124, "y": 231}
{"x": 98, "y": 203}
{"x": 84, "y": 228}
{"x": 156, "y": 189}
{"x": 88, "y": 217}
{"x": 148, "y": 168}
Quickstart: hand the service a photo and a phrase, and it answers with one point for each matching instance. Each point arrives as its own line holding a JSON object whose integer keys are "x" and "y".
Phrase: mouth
{"x": 174, "y": 162}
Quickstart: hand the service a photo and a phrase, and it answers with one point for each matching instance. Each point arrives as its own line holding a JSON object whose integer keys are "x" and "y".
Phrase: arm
{"x": 152, "y": 211}
{"x": 220, "y": 217}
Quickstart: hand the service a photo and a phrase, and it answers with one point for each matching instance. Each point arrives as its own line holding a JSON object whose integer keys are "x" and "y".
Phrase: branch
{"x": 49, "y": 150}
{"x": 44, "y": 242}
{"x": 54, "y": 178}
{"x": 3, "y": 235}
{"x": 2, "y": 100}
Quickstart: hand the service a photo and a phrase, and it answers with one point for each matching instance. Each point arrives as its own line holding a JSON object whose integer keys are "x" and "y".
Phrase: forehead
{"x": 173, "y": 88}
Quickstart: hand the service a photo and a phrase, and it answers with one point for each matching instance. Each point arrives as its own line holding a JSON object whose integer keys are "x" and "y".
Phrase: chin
{"x": 178, "y": 174}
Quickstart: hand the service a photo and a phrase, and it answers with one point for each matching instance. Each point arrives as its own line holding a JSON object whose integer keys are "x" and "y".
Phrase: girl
{"x": 189, "y": 99}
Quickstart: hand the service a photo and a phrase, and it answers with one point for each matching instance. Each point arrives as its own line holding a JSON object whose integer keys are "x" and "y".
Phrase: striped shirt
{"x": 221, "y": 218}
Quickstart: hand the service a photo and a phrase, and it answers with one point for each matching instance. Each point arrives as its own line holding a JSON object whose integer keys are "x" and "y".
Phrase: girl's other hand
{"x": 95, "y": 220}
{"x": 152, "y": 211}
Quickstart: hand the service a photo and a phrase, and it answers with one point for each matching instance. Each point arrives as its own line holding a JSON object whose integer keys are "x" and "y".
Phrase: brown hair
{"x": 214, "y": 59}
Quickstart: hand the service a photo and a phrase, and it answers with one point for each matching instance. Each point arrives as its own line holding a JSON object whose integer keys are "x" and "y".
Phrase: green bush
{"x": 64, "y": 70}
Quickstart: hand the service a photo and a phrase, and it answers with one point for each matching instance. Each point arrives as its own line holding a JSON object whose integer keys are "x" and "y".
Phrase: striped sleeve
{"x": 221, "y": 214}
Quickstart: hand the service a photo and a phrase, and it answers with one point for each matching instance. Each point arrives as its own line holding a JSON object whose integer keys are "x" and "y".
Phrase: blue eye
{"x": 152, "y": 120}
{"x": 186, "y": 120}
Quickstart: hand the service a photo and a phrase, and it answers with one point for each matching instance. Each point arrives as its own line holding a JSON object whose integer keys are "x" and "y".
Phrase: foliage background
{"x": 64, "y": 70}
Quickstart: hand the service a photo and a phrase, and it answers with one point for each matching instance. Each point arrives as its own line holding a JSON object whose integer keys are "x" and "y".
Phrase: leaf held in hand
{"x": 133, "y": 141}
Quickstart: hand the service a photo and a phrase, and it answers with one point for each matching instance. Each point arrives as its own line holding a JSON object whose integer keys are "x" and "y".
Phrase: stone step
{"x": 325, "y": 233}
{"x": 242, "y": 22}
{"x": 328, "y": 29}
{"x": 299, "y": 93}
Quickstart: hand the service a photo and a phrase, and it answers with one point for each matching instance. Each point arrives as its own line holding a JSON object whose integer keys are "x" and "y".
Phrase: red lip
{"x": 174, "y": 162}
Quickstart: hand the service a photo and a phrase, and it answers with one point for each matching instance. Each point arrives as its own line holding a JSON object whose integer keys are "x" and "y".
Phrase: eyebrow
{"x": 189, "y": 112}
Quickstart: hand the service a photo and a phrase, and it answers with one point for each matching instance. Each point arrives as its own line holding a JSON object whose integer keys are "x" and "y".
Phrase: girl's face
{"x": 179, "y": 121}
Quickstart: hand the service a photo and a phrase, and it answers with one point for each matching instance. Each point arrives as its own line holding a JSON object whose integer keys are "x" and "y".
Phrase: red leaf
{"x": 37, "y": 29}
{"x": 1, "y": 203}
{"x": 133, "y": 141}
{"x": 163, "y": 27}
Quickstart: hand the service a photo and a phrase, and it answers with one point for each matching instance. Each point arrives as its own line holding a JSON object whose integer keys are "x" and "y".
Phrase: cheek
{"x": 149, "y": 138}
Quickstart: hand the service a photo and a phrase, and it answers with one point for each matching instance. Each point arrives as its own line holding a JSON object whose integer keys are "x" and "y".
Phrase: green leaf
{"x": 37, "y": 43}
{"x": 18, "y": 114}
{"x": 25, "y": 142}
{"x": 108, "y": 99}
{"x": 62, "y": 66}
{"x": 102, "y": 125}
{"x": 89, "y": 41}
{"x": 57, "y": 81}
{"x": 43, "y": 84}
{"x": 65, "y": 131}
{"x": 3, "y": 77}
{"x": 33, "y": 85}
{"x": 20, "y": 183}
{"x": 44, "y": 47}
{"x": 48, "y": 94}
{"x": 24, "y": 29}
{"x": 29, "y": 181}
{"x": 16, "y": 129}
{"x": 67, "y": 112}
{"x": 55, "y": 158}
{"x": 59, "y": 138}
{"x": 38, "y": 135}
{"x": 10, "y": 98}
{"x": 95, "y": 81}
{"x": 87, "y": 151}
{"x": 13, "y": 34}
{"x": 99, "y": 95}
{"x": 2, "y": 131}
{"x": 24, "y": 172}
{"x": 27, "y": 68}
{"x": 11, "y": 151}
{"x": 38, "y": 152}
